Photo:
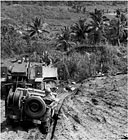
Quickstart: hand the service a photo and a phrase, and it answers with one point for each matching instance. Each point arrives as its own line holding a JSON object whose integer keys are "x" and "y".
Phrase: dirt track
{"x": 97, "y": 112}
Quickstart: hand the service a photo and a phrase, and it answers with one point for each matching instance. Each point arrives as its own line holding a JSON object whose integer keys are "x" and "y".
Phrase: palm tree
{"x": 33, "y": 31}
{"x": 116, "y": 32}
{"x": 79, "y": 31}
{"x": 64, "y": 40}
{"x": 36, "y": 28}
{"x": 121, "y": 26}
{"x": 96, "y": 26}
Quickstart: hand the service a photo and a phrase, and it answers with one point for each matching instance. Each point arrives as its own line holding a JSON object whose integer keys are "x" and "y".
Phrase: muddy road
{"x": 98, "y": 111}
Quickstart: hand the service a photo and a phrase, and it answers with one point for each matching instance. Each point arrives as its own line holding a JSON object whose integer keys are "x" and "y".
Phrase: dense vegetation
{"x": 93, "y": 43}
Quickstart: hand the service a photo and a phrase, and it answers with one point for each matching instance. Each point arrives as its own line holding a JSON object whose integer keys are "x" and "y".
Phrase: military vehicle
{"x": 28, "y": 104}
{"x": 43, "y": 76}
{"x": 4, "y": 79}
{"x": 29, "y": 97}
{"x": 32, "y": 74}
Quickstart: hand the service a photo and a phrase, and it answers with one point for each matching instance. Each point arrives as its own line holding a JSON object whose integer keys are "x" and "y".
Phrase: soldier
{"x": 46, "y": 58}
{"x": 23, "y": 59}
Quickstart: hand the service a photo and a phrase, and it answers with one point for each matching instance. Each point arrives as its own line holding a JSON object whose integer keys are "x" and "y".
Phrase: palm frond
{"x": 32, "y": 33}
{"x": 45, "y": 31}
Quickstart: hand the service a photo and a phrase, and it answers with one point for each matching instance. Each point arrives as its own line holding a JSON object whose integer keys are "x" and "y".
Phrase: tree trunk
{"x": 66, "y": 70}
{"x": 119, "y": 42}
{"x": 28, "y": 45}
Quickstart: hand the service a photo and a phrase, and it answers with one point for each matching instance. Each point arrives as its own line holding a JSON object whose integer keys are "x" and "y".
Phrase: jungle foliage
{"x": 98, "y": 32}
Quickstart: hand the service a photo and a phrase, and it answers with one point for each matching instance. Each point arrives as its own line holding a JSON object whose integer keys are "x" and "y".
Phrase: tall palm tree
{"x": 36, "y": 28}
{"x": 34, "y": 31}
{"x": 79, "y": 31}
{"x": 116, "y": 32}
{"x": 121, "y": 25}
{"x": 96, "y": 26}
{"x": 64, "y": 39}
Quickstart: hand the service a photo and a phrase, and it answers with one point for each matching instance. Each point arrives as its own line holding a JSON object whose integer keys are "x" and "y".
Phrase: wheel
{"x": 35, "y": 107}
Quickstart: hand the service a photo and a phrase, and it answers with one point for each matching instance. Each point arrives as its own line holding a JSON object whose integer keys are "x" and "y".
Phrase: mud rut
{"x": 96, "y": 111}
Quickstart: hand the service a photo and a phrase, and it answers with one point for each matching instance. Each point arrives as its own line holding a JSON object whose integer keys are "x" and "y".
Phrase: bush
{"x": 79, "y": 66}
{"x": 11, "y": 42}
{"x": 76, "y": 66}
{"x": 113, "y": 60}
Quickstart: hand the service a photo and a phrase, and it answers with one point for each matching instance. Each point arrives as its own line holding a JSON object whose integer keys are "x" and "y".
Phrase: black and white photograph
{"x": 63, "y": 70}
